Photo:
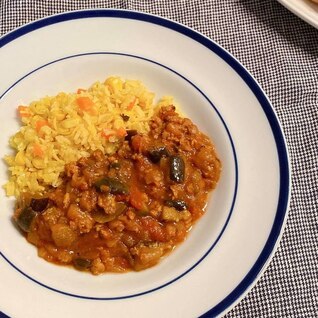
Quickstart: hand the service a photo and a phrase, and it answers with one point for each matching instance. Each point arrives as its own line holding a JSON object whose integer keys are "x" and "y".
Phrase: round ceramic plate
{"x": 230, "y": 246}
{"x": 305, "y": 9}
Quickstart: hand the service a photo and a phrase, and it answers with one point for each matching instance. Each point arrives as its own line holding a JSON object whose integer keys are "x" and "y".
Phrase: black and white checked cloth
{"x": 281, "y": 51}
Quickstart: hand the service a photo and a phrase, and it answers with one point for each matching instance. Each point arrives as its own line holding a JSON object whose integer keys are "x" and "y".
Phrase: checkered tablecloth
{"x": 281, "y": 52}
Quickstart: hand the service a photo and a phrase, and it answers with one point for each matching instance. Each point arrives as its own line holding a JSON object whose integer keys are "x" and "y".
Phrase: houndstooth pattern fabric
{"x": 281, "y": 52}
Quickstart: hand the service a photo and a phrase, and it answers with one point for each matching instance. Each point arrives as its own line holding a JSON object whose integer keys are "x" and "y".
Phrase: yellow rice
{"x": 56, "y": 131}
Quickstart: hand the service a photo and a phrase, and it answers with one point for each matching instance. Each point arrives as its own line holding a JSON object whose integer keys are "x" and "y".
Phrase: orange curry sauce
{"x": 125, "y": 211}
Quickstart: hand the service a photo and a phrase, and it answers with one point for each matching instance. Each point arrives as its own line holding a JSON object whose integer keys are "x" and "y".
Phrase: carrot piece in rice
{"x": 40, "y": 123}
{"x": 23, "y": 111}
{"x": 37, "y": 151}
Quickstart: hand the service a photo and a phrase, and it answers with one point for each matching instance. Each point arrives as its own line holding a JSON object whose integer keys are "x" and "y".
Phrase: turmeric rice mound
{"x": 61, "y": 129}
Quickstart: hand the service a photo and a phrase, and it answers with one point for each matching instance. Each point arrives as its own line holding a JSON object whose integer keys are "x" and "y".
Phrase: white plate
{"x": 305, "y": 9}
{"x": 230, "y": 246}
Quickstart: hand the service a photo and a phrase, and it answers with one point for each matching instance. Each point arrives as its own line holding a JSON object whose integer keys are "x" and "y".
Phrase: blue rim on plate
{"x": 281, "y": 148}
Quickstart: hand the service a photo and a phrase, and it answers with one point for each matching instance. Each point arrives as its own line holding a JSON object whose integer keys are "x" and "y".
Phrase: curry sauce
{"x": 122, "y": 212}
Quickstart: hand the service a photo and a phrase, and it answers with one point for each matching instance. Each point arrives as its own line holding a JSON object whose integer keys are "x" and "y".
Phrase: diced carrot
{"x": 37, "y": 150}
{"x": 23, "y": 111}
{"x": 138, "y": 143}
{"x": 22, "y": 108}
{"x": 81, "y": 90}
{"x": 107, "y": 133}
{"x": 132, "y": 104}
{"x": 84, "y": 103}
{"x": 153, "y": 227}
{"x": 142, "y": 104}
{"x": 137, "y": 199}
{"x": 121, "y": 132}
{"x": 40, "y": 123}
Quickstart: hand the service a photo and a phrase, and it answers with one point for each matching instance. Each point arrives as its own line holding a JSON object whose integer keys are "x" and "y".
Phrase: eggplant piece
{"x": 177, "y": 204}
{"x": 157, "y": 153}
{"x": 100, "y": 216}
{"x": 114, "y": 165}
{"x": 177, "y": 169}
{"x": 25, "y": 219}
{"x": 115, "y": 186}
{"x": 170, "y": 214}
{"x": 130, "y": 134}
{"x": 82, "y": 263}
{"x": 39, "y": 205}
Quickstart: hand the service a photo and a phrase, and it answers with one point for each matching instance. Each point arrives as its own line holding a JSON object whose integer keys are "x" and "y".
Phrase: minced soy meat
{"x": 121, "y": 212}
